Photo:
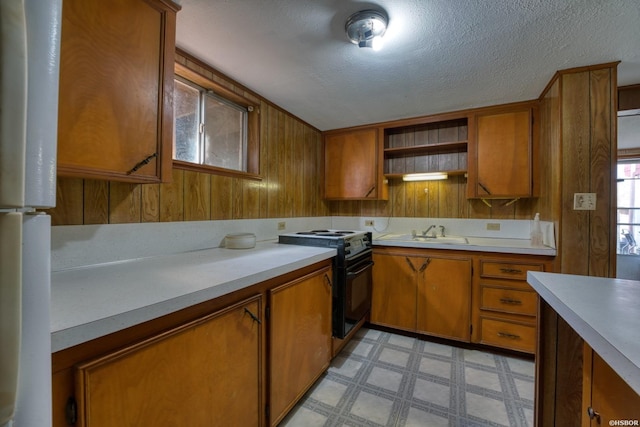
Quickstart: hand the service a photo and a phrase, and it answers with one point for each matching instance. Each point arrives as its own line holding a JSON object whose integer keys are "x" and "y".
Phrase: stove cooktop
{"x": 326, "y": 233}
{"x": 348, "y": 242}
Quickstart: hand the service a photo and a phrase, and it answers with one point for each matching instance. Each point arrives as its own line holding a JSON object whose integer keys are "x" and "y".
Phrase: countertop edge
{"x": 468, "y": 248}
{"x": 624, "y": 367}
{"x": 79, "y": 334}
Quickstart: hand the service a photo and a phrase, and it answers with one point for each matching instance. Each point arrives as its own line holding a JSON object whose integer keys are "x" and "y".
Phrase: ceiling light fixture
{"x": 430, "y": 176}
{"x": 366, "y": 28}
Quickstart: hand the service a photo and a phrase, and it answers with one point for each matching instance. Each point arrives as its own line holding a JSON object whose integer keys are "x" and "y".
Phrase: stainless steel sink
{"x": 451, "y": 240}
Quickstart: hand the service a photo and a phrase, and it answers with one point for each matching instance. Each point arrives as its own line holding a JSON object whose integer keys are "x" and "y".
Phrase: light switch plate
{"x": 368, "y": 223}
{"x": 584, "y": 201}
{"x": 282, "y": 225}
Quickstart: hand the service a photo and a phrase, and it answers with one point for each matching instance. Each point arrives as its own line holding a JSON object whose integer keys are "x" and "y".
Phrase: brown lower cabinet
{"x": 300, "y": 339}
{"x": 606, "y": 398}
{"x": 206, "y": 365}
{"x": 179, "y": 378}
{"x": 422, "y": 292}
{"x": 575, "y": 386}
{"x": 505, "y": 308}
{"x": 466, "y": 296}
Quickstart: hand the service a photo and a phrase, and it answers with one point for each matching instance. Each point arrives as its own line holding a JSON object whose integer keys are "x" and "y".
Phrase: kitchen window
{"x": 215, "y": 130}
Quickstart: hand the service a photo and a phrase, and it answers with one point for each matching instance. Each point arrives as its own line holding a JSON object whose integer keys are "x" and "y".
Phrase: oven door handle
{"x": 355, "y": 273}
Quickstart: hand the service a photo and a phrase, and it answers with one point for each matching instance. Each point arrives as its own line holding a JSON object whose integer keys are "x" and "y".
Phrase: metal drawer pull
{"x": 507, "y": 335}
{"x": 510, "y": 301}
{"x": 511, "y": 270}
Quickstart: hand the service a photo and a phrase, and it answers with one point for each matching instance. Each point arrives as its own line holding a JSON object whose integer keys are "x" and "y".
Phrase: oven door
{"x": 357, "y": 291}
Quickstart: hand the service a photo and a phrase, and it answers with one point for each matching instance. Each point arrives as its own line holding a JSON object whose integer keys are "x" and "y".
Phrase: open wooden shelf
{"x": 441, "y": 147}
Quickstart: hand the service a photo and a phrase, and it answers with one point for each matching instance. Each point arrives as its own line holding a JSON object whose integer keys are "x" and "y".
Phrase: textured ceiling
{"x": 439, "y": 55}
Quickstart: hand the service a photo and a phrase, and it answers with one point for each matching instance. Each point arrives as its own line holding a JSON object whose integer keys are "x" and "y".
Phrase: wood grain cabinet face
{"x": 606, "y": 393}
{"x": 116, "y": 89}
{"x": 425, "y": 294}
{"x": 505, "y": 307}
{"x": 181, "y": 377}
{"x": 352, "y": 166}
{"x": 393, "y": 299}
{"x": 501, "y": 158}
{"x": 300, "y": 339}
{"x": 444, "y": 298}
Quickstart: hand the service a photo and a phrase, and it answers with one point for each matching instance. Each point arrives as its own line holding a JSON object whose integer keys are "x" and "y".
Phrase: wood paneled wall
{"x": 589, "y": 144}
{"x": 290, "y": 162}
{"x": 578, "y": 154}
{"x": 435, "y": 199}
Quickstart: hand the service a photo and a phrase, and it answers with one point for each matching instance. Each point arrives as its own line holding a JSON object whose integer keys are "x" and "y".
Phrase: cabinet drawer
{"x": 509, "y": 335}
{"x": 509, "y": 300}
{"x": 507, "y": 270}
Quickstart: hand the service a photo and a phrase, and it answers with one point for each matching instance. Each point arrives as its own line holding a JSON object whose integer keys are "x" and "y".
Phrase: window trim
{"x": 621, "y": 160}
{"x": 253, "y": 128}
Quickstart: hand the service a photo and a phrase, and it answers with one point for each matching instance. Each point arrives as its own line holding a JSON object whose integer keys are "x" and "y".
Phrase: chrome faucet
{"x": 425, "y": 232}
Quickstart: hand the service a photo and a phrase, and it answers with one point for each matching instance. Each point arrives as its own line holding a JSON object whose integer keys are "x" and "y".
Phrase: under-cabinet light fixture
{"x": 366, "y": 28}
{"x": 430, "y": 176}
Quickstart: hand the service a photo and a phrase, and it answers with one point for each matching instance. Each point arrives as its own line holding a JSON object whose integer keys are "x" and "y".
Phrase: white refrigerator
{"x": 29, "y": 68}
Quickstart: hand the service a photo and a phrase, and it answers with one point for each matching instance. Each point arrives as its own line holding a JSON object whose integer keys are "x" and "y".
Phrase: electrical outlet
{"x": 584, "y": 201}
{"x": 368, "y": 223}
{"x": 493, "y": 226}
{"x": 282, "y": 225}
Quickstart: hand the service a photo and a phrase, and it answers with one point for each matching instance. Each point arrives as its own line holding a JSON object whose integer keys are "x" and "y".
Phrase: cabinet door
{"x": 351, "y": 165}
{"x": 611, "y": 397}
{"x": 116, "y": 85}
{"x": 206, "y": 373}
{"x": 300, "y": 350}
{"x": 444, "y": 298}
{"x": 502, "y": 166}
{"x": 393, "y": 301}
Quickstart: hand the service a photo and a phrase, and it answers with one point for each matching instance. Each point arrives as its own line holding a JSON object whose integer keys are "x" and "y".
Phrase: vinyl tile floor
{"x": 385, "y": 379}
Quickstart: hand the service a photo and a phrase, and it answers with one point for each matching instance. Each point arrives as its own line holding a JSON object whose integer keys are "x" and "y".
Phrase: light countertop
{"x": 604, "y": 312}
{"x": 93, "y": 301}
{"x": 475, "y": 244}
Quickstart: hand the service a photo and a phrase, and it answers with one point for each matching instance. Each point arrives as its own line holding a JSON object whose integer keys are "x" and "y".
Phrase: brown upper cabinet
{"x": 501, "y": 160}
{"x": 353, "y": 165}
{"x": 116, "y": 88}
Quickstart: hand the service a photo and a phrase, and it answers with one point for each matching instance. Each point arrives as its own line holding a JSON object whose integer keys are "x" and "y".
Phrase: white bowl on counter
{"x": 240, "y": 241}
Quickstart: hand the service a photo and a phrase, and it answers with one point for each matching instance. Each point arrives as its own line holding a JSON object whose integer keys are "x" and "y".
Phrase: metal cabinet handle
{"x": 71, "y": 411}
{"x": 328, "y": 281}
{"x": 370, "y": 191}
{"x": 424, "y": 265}
{"x": 510, "y": 301}
{"x": 410, "y": 264}
{"x": 593, "y": 414}
{"x": 511, "y": 270}
{"x": 142, "y": 163}
{"x": 484, "y": 188}
{"x": 510, "y": 336}
{"x": 253, "y": 316}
